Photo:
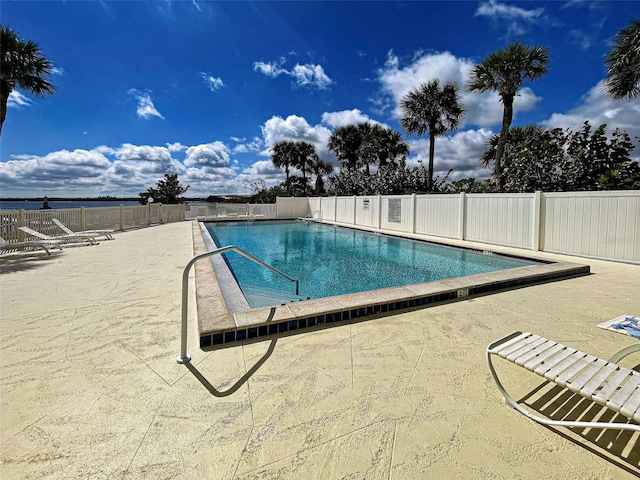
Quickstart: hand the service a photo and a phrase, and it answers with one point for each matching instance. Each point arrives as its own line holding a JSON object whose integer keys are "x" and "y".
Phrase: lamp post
{"x": 149, "y": 202}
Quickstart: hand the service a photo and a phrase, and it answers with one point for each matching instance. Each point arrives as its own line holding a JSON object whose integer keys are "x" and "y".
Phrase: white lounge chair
{"x": 63, "y": 239}
{"x": 6, "y": 247}
{"x": 108, "y": 234}
{"x": 601, "y": 381}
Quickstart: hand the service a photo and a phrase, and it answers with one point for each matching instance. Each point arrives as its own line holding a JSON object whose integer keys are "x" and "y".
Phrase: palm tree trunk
{"x": 507, "y": 117}
{"x": 5, "y": 90}
{"x": 432, "y": 151}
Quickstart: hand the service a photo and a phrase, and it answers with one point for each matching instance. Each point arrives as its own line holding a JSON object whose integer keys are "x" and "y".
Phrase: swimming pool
{"x": 329, "y": 260}
{"x": 225, "y": 317}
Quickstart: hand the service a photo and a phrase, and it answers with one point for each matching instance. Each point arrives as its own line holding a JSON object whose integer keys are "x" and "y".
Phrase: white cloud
{"x": 74, "y": 170}
{"x": 176, "y": 147}
{"x": 581, "y": 38}
{"x": 344, "y": 117}
{"x": 271, "y": 69}
{"x": 16, "y": 99}
{"x": 307, "y": 75}
{"x": 311, "y": 75}
{"x": 596, "y": 107}
{"x": 145, "y": 109}
{"x": 213, "y": 155}
{"x": 483, "y": 110}
{"x": 212, "y": 82}
{"x": 242, "y": 146}
{"x": 461, "y": 151}
{"x": 517, "y": 20}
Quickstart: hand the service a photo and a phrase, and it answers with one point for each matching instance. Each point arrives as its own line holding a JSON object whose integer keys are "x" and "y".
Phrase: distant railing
{"x": 231, "y": 211}
{"x": 93, "y": 218}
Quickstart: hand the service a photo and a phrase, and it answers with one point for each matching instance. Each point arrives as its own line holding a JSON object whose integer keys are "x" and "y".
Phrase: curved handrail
{"x": 309, "y": 216}
{"x": 184, "y": 357}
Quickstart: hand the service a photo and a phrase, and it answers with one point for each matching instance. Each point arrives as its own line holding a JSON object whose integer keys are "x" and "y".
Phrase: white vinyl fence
{"x": 92, "y": 218}
{"x": 592, "y": 224}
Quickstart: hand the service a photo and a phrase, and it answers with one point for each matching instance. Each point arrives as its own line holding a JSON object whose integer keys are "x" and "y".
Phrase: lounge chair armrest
{"x": 620, "y": 354}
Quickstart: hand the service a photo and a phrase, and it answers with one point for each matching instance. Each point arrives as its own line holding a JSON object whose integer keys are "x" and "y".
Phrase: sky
{"x": 205, "y": 89}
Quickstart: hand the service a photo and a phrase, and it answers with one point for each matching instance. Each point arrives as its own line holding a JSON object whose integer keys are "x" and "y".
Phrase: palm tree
{"x": 345, "y": 142}
{"x": 283, "y": 155}
{"x": 389, "y": 144}
{"x": 22, "y": 65}
{"x": 305, "y": 156}
{"x": 504, "y": 72}
{"x": 623, "y": 64}
{"x": 319, "y": 168}
{"x": 433, "y": 109}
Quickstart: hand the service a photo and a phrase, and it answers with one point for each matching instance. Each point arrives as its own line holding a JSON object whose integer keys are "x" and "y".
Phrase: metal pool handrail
{"x": 309, "y": 216}
{"x": 184, "y": 357}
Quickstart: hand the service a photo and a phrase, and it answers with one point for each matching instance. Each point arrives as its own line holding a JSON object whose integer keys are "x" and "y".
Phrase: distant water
{"x": 60, "y": 204}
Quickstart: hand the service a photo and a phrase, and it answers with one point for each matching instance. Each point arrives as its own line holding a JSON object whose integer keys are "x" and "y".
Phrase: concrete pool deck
{"x": 91, "y": 389}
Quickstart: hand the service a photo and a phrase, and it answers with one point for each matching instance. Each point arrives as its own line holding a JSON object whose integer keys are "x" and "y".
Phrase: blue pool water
{"x": 329, "y": 260}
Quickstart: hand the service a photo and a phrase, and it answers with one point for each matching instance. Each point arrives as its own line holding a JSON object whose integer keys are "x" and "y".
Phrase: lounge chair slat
{"x": 543, "y": 355}
{"x": 596, "y": 382}
{"x": 631, "y": 407}
{"x": 526, "y": 349}
{"x": 609, "y": 389}
{"x": 513, "y": 345}
{"x": 625, "y": 391}
{"x": 565, "y": 369}
{"x": 555, "y": 355}
{"x": 577, "y": 383}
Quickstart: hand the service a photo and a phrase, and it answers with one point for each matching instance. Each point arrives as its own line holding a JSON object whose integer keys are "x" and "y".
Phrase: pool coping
{"x": 218, "y": 327}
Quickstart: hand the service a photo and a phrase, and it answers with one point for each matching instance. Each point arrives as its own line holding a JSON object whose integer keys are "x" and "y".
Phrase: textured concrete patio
{"x": 90, "y": 387}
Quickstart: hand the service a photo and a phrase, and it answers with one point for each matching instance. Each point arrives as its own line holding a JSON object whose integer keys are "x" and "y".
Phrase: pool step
{"x": 261, "y": 296}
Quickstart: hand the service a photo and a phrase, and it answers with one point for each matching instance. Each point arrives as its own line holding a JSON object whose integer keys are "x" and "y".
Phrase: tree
{"x": 559, "y": 160}
{"x": 384, "y": 145}
{"x": 283, "y": 155}
{"x": 504, "y": 72}
{"x": 431, "y": 109}
{"x": 167, "y": 191}
{"x": 623, "y": 64}
{"x": 595, "y": 162}
{"x": 304, "y": 158}
{"x": 531, "y": 158}
{"x": 319, "y": 168}
{"x": 22, "y": 65}
{"x": 345, "y": 142}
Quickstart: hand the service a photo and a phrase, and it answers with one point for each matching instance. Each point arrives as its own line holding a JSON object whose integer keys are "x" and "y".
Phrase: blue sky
{"x": 204, "y": 89}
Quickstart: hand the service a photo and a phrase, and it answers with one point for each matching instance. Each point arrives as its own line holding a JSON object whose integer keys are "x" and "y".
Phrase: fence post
{"x": 354, "y": 209}
{"x": 537, "y": 220}
{"x": 379, "y": 211}
{"x": 83, "y": 221}
{"x": 121, "y": 222}
{"x": 20, "y": 224}
{"x": 462, "y": 226}
{"x": 413, "y": 213}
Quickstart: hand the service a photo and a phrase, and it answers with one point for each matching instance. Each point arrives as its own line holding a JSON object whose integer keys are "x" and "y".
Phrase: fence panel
{"x": 134, "y": 217}
{"x": 98, "y": 218}
{"x": 504, "y": 219}
{"x": 292, "y": 207}
{"x": 597, "y": 224}
{"x": 397, "y": 213}
{"x": 345, "y": 209}
{"x": 328, "y": 208}
{"x": 368, "y": 211}
{"x": 438, "y": 215}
